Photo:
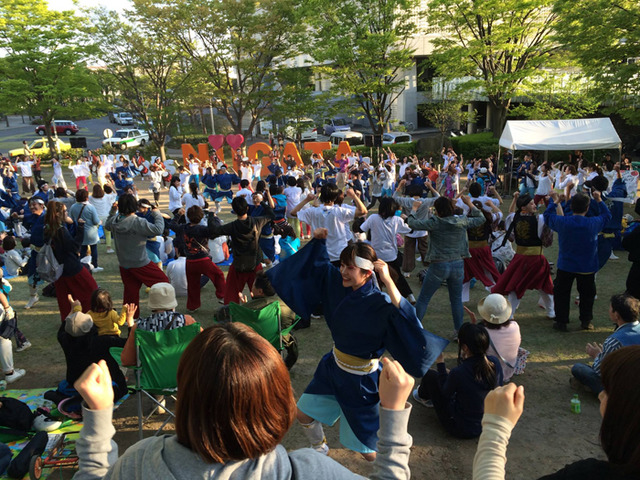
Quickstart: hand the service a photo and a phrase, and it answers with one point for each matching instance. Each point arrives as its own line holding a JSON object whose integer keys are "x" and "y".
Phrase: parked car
{"x": 124, "y": 118}
{"x": 391, "y": 138}
{"x": 40, "y": 146}
{"x": 66, "y": 127}
{"x": 305, "y": 126}
{"x": 127, "y": 138}
{"x": 335, "y": 125}
{"x": 352, "y": 138}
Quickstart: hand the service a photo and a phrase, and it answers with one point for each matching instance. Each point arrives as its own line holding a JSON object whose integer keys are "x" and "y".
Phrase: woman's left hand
{"x": 382, "y": 269}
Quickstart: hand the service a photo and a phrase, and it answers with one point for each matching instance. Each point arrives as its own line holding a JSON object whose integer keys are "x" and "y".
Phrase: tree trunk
{"x": 498, "y": 117}
{"x": 204, "y": 122}
{"x": 163, "y": 154}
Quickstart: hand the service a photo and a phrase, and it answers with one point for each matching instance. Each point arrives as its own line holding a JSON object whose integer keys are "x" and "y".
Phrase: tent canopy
{"x": 583, "y": 134}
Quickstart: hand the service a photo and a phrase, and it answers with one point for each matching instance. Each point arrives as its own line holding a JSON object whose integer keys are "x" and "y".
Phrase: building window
{"x": 425, "y": 73}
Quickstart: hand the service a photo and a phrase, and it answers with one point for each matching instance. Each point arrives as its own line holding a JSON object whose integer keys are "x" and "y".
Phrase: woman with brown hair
{"x": 76, "y": 280}
{"x": 234, "y": 406}
{"x": 619, "y": 431}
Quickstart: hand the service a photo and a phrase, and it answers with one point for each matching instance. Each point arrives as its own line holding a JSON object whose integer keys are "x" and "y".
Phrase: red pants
{"x": 81, "y": 286}
{"x": 196, "y": 268}
{"x": 133, "y": 278}
{"x": 80, "y": 180}
{"x": 236, "y": 282}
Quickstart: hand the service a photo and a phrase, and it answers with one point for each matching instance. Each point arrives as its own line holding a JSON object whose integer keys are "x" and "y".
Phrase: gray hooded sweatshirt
{"x": 130, "y": 235}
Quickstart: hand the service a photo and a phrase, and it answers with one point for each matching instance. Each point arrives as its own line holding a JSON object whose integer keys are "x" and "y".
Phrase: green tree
{"x": 144, "y": 67}
{"x": 604, "y": 36}
{"x": 237, "y": 45}
{"x": 296, "y": 99}
{"x": 44, "y": 66}
{"x": 497, "y": 44}
{"x": 556, "y": 95}
{"x": 364, "y": 48}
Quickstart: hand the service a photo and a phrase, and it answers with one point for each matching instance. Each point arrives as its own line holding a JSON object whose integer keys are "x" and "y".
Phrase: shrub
{"x": 479, "y": 145}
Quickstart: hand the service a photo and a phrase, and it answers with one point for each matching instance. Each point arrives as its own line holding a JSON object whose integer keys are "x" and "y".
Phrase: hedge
{"x": 479, "y": 145}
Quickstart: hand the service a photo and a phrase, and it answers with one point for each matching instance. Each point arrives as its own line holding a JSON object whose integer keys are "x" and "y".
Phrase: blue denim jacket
{"x": 447, "y": 235}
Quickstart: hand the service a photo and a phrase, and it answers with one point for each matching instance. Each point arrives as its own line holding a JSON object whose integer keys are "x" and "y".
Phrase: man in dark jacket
{"x": 244, "y": 233}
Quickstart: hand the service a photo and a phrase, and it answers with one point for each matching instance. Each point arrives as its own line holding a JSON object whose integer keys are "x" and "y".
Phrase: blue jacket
{"x": 577, "y": 238}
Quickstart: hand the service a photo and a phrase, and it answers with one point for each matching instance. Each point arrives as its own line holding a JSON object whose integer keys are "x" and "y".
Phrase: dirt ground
{"x": 547, "y": 437}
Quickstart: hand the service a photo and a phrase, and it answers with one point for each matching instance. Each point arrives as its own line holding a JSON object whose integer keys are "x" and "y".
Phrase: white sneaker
{"x": 17, "y": 374}
{"x": 315, "y": 317}
{"x": 24, "y": 346}
{"x": 406, "y": 274}
{"x": 98, "y": 269}
{"x": 33, "y": 299}
{"x": 422, "y": 401}
{"x": 110, "y": 250}
{"x": 322, "y": 448}
{"x": 613, "y": 256}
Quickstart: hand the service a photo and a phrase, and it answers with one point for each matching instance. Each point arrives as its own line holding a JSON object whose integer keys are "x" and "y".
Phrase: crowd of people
{"x": 354, "y": 271}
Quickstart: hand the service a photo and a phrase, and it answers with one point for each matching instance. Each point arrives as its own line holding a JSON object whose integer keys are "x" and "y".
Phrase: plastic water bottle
{"x": 575, "y": 404}
{"x": 3, "y": 385}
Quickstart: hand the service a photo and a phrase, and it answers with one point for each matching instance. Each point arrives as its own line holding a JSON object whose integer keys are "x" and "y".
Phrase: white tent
{"x": 582, "y": 134}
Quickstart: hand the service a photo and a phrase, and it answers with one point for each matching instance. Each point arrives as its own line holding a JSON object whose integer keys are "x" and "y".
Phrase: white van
{"x": 353, "y": 138}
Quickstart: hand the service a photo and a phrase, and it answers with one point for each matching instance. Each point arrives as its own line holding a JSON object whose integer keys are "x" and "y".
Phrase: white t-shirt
{"x": 246, "y": 173}
{"x": 57, "y": 169}
{"x": 189, "y": 201}
{"x": 194, "y": 168}
{"x": 335, "y": 219}
{"x": 80, "y": 170}
{"x": 383, "y": 235}
{"x": 175, "y": 198}
{"x": 293, "y": 195}
{"x": 25, "y": 168}
{"x": 247, "y": 194}
{"x": 257, "y": 168}
{"x": 482, "y": 199}
{"x": 177, "y": 273}
{"x": 545, "y": 185}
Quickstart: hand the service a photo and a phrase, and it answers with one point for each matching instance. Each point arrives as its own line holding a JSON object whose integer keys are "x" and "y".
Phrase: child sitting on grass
{"x": 21, "y": 341}
{"x": 103, "y": 315}
{"x": 13, "y": 260}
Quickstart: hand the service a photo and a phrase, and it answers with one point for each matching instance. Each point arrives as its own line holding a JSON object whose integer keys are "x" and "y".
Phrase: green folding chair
{"x": 158, "y": 356}
{"x": 266, "y": 322}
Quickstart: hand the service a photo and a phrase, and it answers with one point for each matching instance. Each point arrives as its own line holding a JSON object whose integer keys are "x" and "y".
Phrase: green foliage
{"x": 43, "y": 64}
{"x": 236, "y": 46}
{"x": 145, "y": 67}
{"x": 479, "y": 145}
{"x": 498, "y": 44}
{"x": 556, "y": 95}
{"x": 604, "y": 37}
{"x": 363, "y": 47}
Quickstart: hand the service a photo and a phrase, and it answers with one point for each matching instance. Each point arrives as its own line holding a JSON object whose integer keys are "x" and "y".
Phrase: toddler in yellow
{"x": 104, "y": 317}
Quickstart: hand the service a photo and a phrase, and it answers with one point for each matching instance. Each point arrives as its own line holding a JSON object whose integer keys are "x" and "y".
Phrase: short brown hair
{"x": 98, "y": 192}
{"x": 82, "y": 195}
{"x": 235, "y": 399}
{"x": 195, "y": 214}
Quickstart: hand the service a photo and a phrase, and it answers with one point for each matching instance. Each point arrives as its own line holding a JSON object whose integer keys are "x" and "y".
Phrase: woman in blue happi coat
{"x": 364, "y": 322}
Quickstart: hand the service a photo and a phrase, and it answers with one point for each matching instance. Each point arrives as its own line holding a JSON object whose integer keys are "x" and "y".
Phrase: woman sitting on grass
{"x": 458, "y": 395}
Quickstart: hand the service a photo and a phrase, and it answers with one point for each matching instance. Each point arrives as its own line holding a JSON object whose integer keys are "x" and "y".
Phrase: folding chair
{"x": 158, "y": 356}
{"x": 266, "y": 322}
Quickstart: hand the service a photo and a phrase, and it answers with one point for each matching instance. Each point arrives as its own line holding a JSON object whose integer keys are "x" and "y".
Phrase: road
{"x": 13, "y": 136}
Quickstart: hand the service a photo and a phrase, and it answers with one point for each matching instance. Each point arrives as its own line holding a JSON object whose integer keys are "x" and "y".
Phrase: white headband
{"x": 364, "y": 264}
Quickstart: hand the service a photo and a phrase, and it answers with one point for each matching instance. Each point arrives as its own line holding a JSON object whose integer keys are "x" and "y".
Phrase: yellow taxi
{"x": 40, "y": 147}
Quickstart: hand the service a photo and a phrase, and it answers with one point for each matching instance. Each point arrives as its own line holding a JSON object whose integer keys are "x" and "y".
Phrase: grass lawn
{"x": 547, "y": 437}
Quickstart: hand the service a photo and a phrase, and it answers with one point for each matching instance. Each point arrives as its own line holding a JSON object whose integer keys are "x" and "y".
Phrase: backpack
{"x": 47, "y": 265}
